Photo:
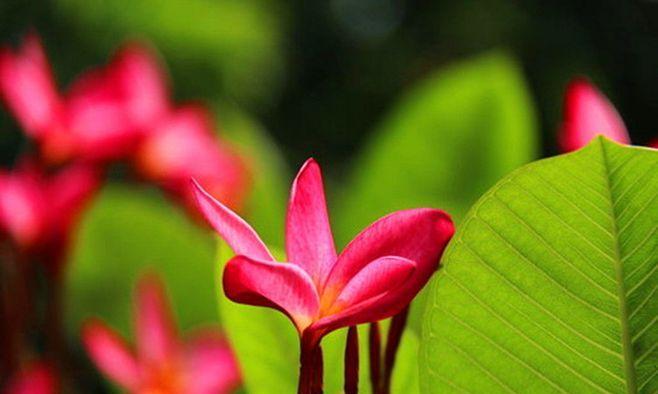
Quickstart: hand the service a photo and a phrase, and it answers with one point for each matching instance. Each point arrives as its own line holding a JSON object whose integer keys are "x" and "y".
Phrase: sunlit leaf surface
{"x": 551, "y": 283}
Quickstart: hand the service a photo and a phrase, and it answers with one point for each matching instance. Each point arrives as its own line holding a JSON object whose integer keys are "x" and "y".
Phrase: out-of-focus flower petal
{"x": 22, "y": 208}
{"x": 232, "y": 228}
{"x": 28, "y": 87}
{"x": 283, "y": 286}
{"x": 38, "y": 378}
{"x": 156, "y": 334}
{"x": 309, "y": 242}
{"x": 138, "y": 71}
{"x": 69, "y": 191}
{"x": 183, "y": 146}
{"x": 588, "y": 113}
{"x": 111, "y": 108}
{"x": 211, "y": 367}
{"x": 110, "y": 354}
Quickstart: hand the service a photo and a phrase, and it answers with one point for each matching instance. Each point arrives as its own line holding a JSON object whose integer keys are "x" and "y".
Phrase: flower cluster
{"x": 121, "y": 112}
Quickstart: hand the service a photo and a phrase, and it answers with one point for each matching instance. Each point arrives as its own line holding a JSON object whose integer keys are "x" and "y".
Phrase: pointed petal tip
{"x": 587, "y": 112}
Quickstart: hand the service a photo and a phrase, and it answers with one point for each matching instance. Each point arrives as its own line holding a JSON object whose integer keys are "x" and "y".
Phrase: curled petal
{"x": 283, "y": 286}
{"x": 419, "y": 235}
{"x": 211, "y": 367}
{"x": 231, "y": 227}
{"x": 588, "y": 113}
{"x": 372, "y": 309}
{"x": 28, "y": 87}
{"x": 110, "y": 354}
{"x": 376, "y": 278}
{"x": 309, "y": 242}
{"x": 156, "y": 334}
{"x": 23, "y": 210}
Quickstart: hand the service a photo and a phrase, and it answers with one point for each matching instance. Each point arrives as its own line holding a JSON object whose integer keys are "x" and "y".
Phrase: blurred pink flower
{"x": 588, "y": 113}
{"x": 184, "y": 146}
{"x": 102, "y": 116}
{"x": 38, "y": 210}
{"x": 162, "y": 363}
{"x": 37, "y": 378}
{"x": 375, "y": 277}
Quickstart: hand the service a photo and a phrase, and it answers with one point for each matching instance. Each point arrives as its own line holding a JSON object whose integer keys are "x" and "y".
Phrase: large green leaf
{"x": 551, "y": 284}
{"x": 129, "y": 230}
{"x": 447, "y": 141}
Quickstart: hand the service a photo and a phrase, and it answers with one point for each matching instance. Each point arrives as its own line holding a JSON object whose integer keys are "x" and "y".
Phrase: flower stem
{"x": 53, "y": 324}
{"x": 310, "y": 366}
{"x": 352, "y": 361}
{"x": 395, "y": 331}
{"x": 374, "y": 342}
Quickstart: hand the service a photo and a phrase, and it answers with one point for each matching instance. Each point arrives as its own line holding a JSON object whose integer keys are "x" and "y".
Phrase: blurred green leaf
{"x": 128, "y": 230}
{"x": 266, "y": 205}
{"x": 234, "y": 45}
{"x": 549, "y": 285}
{"x": 443, "y": 145}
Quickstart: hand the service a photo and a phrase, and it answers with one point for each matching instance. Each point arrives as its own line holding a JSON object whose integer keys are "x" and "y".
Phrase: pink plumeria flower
{"x": 162, "y": 362}
{"x": 111, "y": 108}
{"x": 184, "y": 146}
{"x": 588, "y": 113}
{"x": 38, "y": 211}
{"x": 375, "y": 277}
{"x": 104, "y": 113}
{"x": 37, "y": 378}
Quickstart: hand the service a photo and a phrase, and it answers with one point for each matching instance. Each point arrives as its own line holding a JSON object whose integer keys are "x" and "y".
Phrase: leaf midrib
{"x": 627, "y": 344}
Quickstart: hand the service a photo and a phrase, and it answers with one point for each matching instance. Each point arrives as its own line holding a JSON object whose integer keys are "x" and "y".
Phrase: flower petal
{"x": 309, "y": 242}
{"x": 136, "y": 69}
{"x": 374, "y": 279}
{"x": 419, "y": 235}
{"x": 282, "y": 286}
{"x": 110, "y": 354}
{"x": 588, "y": 113}
{"x": 37, "y": 378}
{"x": 373, "y": 294}
{"x": 28, "y": 87}
{"x": 156, "y": 334}
{"x": 211, "y": 367}
{"x": 231, "y": 227}
{"x": 69, "y": 191}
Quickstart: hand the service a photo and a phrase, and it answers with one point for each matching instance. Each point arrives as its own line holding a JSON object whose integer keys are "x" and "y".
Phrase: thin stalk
{"x": 395, "y": 331}
{"x": 54, "y": 319}
{"x": 374, "y": 342}
{"x": 310, "y": 366}
{"x": 352, "y": 361}
{"x": 318, "y": 371}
